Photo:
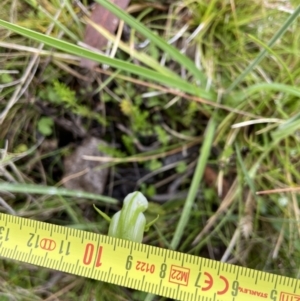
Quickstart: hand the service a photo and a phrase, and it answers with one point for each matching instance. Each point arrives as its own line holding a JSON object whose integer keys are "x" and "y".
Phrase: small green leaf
{"x": 162, "y": 135}
{"x": 45, "y": 126}
{"x": 5, "y": 78}
{"x": 147, "y": 227}
{"x": 181, "y": 167}
{"x": 111, "y": 151}
{"x": 128, "y": 142}
{"x": 154, "y": 164}
{"x": 104, "y": 215}
{"x": 150, "y": 190}
{"x": 21, "y": 148}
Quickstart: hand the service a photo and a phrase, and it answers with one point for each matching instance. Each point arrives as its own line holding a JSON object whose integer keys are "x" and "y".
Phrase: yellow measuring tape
{"x": 155, "y": 270}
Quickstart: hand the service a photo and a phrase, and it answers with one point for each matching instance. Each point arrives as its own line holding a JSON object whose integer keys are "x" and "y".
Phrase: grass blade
{"x": 289, "y": 127}
{"x": 204, "y": 154}
{"x": 141, "y": 56}
{"x": 248, "y": 179}
{"x": 46, "y": 190}
{"x": 246, "y": 93}
{"x": 263, "y": 53}
{"x": 158, "y": 41}
{"x": 125, "y": 66}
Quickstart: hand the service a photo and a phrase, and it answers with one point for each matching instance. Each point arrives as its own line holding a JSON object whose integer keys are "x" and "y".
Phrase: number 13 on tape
{"x": 159, "y": 271}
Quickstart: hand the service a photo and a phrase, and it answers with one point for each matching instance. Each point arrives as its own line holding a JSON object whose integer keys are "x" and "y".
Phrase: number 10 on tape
{"x": 158, "y": 271}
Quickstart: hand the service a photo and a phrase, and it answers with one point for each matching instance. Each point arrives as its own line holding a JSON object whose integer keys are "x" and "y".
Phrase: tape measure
{"x": 151, "y": 269}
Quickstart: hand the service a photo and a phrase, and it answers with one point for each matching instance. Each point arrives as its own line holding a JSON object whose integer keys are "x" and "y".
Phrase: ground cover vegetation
{"x": 198, "y": 105}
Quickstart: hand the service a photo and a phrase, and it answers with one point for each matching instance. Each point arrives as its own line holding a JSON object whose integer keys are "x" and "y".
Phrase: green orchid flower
{"x": 130, "y": 222}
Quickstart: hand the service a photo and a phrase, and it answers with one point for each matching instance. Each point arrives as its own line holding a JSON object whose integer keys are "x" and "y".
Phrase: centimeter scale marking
{"x": 151, "y": 269}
